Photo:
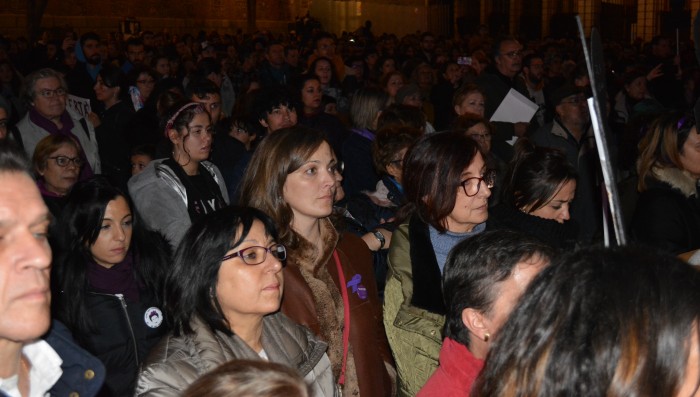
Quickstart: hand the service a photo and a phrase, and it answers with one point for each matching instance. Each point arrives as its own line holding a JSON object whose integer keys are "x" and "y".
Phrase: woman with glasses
{"x": 668, "y": 208}
{"x": 330, "y": 282}
{"x": 57, "y": 163}
{"x": 447, "y": 187}
{"x": 173, "y": 192}
{"x": 226, "y": 307}
{"x": 142, "y": 81}
{"x": 46, "y": 91}
{"x": 538, "y": 192}
{"x": 107, "y": 281}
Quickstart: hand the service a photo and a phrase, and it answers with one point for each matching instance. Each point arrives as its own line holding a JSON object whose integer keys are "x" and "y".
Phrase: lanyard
{"x": 346, "y": 327}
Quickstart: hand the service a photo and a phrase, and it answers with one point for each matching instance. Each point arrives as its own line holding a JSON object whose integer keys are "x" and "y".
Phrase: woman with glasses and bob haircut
{"x": 447, "y": 188}
{"x": 45, "y": 91}
{"x": 222, "y": 296}
{"x": 668, "y": 209}
{"x": 538, "y": 191}
{"x": 330, "y": 281}
{"x": 601, "y": 322}
{"x": 57, "y": 163}
{"x": 107, "y": 281}
{"x": 173, "y": 192}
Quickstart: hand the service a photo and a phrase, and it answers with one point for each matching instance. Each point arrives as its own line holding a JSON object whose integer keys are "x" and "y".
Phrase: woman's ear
{"x": 474, "y": 321}
{"x": 174, "y": 136}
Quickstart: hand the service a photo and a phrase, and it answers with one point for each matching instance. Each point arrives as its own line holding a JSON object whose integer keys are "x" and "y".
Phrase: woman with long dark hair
{"x": 313, "y": 115}
{"x": 112, "y": 123}
{"x": 539, "y": 190}
{"x": 107, "y": 281}
{"x": 601, "y": 322}
{"x": 173, "y": 192}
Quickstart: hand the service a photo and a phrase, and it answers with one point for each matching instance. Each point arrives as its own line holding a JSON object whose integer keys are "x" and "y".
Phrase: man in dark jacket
{"x": 27, "y": 362}
{"x": 496, "y": 82}
{"x": 82, "y": 78}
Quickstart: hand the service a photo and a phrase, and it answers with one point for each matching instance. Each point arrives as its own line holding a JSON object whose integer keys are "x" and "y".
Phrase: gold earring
{"x": 487, "y": 336}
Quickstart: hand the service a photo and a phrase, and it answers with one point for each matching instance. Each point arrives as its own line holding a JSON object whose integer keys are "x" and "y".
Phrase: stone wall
{"x": 175, "y": 16}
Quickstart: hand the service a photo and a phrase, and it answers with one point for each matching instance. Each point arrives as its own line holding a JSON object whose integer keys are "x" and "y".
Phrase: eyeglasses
{"x": 52, "y": 93}
{"x": 256, "y": 255}
{"x": 513, "y": 54}
{"x": 63, "y": 161}
{"x": 472, "y": 185}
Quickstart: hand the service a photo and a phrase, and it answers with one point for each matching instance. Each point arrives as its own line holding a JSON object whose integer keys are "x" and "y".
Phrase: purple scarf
{"x": 119, "y": 279}
{"x": 67, "y": 123}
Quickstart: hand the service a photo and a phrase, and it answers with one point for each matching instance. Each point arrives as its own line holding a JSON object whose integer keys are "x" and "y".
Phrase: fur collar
{"x": 306, "y": 254}
{"x": 678, "y": 179}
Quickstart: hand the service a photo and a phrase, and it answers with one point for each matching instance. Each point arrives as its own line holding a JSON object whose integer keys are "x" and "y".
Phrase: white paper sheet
{"x": 515, "y": 108}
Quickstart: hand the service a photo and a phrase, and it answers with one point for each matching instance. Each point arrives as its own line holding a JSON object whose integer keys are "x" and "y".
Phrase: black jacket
{"x": 125, "y": 333}
{"x": 667, "y": 215}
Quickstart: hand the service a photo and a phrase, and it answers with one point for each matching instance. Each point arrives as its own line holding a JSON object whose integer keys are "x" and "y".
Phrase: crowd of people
{"x": 302, "y": 214}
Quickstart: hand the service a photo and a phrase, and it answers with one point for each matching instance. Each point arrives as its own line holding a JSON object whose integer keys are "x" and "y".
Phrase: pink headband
{"x": 171, "y": 121}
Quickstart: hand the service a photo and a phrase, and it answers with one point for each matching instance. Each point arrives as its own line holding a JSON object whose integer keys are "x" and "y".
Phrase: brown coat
{"x": 312, "y": 298}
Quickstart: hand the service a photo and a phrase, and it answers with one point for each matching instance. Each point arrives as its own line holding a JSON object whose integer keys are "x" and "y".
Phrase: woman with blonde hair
{"x": 667, "y": 215}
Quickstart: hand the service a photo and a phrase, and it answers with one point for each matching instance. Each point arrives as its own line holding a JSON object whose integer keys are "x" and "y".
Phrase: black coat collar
{"x": 427, "y": 279}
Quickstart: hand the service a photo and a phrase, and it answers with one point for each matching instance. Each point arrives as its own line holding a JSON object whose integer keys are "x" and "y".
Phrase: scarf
{"x": 119, "y": 279}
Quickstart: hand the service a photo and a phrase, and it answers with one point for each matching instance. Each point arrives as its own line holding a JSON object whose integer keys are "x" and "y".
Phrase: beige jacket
{"x": 177, "y": 361}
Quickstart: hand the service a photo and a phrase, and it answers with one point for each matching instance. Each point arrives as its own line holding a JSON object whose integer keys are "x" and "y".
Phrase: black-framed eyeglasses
{"x": 256, "y": 255}
{"x": 63, "y": 161}
{"x": 472, "y": 185}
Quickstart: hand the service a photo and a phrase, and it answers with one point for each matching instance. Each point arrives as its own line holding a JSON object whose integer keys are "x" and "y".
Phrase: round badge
{"x": 153, "y": 317}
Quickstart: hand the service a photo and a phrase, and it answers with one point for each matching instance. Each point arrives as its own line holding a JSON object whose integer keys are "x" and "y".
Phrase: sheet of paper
{"x": 78, "y": 107}
{"x": 515, "y": 108}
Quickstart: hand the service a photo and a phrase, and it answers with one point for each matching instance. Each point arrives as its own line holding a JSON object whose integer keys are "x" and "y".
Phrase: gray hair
{"x": 30, "y": 81}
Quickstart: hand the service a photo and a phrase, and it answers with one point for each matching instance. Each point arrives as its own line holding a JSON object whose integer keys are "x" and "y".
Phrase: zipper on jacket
{"x": 131, "y": 329}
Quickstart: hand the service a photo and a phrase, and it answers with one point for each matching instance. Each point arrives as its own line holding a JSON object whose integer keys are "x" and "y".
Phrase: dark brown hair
{"x": 432, "y": 174}
{"x": 278, "y": 155}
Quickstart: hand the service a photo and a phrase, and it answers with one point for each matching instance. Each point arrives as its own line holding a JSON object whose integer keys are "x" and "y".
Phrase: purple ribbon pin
{"x": 356, "y": 284}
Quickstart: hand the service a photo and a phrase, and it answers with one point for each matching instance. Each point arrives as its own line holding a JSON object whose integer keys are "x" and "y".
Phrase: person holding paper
{"x": 571, "y": 132}
{"x": 497, "y": 82}
{"x": 47, "y": 91}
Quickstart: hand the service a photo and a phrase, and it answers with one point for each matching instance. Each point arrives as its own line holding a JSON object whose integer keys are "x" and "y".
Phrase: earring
{"x": 487, "y": 336}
